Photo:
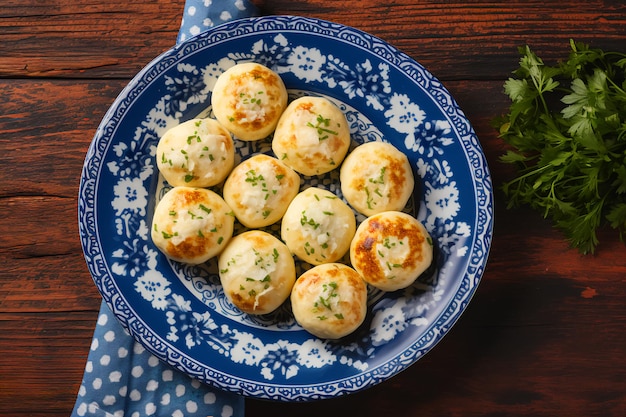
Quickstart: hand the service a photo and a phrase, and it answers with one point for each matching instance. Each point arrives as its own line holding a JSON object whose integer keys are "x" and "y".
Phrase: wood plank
{"x": 50, "y": 283}
{"x": 47, "y": 127}
{"x": 522, "y": 341}
{"x": 542, "y": 336}
{"x": 545, "y": 318}
{"x": 43, "y": 360}
{"x": 452, "y": 39}
{"x": 84, "y": 39}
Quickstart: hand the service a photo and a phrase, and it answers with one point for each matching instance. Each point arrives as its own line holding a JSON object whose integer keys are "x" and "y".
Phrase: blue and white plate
{"x": 179, "y": 312}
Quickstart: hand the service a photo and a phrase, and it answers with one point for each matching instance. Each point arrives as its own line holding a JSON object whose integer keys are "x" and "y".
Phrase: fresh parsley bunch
{"x": 566, "y": 128}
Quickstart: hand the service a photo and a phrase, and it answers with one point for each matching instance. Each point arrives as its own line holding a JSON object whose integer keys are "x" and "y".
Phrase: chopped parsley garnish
{"x": 305, "y": 220}
{"x": 322, "y": 128}
{"x": 168, "y": 235}
{"x": 329, "y": 292}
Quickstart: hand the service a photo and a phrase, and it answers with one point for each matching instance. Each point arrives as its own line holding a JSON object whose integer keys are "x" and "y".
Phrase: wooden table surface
{"x": 545, "y": 332}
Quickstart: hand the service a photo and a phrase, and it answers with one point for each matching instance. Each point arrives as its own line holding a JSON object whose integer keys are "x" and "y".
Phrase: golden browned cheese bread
{"x": 376, "y": 177}
{"x": 329, "y": 300}
{"x": 196, "y": 153}
{"x": 257, "y": 272}
{"x": 391, "y": 250}
{"x": 312, "y": 136}
{"x": 318, "y": 226}
{"x": 191, "y": 224}
{"x": 260, "y": 189}
{"x": 248, "y": 99}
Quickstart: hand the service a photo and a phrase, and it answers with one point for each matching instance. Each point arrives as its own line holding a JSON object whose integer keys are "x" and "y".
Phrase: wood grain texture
{"x": 453, "y": 39}
{"x": 543, "y": 335}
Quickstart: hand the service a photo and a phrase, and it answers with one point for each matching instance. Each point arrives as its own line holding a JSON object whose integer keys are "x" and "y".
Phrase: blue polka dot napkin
{"x": 199, "y": 15}
{"x": 121, "y": 378}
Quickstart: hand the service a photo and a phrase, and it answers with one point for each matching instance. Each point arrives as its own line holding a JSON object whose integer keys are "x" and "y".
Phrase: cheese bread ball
{"x": 318, "y": 226}
{"x": 260, "y": 189}
{"x": 196, "y": 153}
{"x": 376, "y": 177}
{"x": 257, "y": 272}
{"x": 191, "y": 224}
{"x": 329, "y": 300}
{"x": 391, "y": 250}
{"x": 248, "y": 100}
{"x": 312, "y": 136}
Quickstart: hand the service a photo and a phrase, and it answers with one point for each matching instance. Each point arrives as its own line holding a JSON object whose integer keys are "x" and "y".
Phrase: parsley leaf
{"x": 566, "y": 133}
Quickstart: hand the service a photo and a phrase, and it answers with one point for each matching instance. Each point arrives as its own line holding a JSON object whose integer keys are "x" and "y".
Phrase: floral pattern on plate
{"x": 180, "y": 312}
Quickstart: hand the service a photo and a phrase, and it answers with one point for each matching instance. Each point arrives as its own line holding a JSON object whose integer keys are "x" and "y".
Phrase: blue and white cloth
{"x": 199, "y": 15}
{"x": 121, "y": 378}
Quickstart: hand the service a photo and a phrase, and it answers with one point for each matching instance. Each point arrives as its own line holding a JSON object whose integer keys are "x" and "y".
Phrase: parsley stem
{"x": 529, "y": 174}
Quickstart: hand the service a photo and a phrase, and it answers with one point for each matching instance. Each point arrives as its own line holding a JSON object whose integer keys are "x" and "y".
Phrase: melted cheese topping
{"x": 191, "y": 221}
{"x": 376, "y": 177}
{"x": 391, "y": 250}
{"x": 312, "y": 136}
{"x": 257, "y": 272}
{"x": 329, "y": 300}
{"x": 191, "y": 224}
{"x": 196, "y": 153}
{"x": 260, "y": 189}
{"x": 391, "y": 254}
{"x": 248, "y": 99}
{"x": 318, "y": 226}
{"x": 249, "y": 105}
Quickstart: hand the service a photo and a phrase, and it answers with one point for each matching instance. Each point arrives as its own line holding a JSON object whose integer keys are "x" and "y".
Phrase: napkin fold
{"x": 199, "y": 15}
{"x": 121, "y": 378}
